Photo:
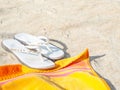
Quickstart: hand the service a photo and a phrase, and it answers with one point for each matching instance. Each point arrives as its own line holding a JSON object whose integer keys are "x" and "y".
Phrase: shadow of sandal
{"x": 64, "y": 47}
{"x": 92, "y": 58}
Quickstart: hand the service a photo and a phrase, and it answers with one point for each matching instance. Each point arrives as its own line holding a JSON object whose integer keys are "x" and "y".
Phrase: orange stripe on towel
{"x": 9, "y": 70}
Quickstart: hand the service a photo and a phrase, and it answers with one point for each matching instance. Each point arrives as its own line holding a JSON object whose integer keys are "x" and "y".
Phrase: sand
{"x": 77, "y": 24}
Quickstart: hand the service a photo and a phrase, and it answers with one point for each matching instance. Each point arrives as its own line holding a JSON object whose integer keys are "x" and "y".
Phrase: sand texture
{"x": 77, "y": 24}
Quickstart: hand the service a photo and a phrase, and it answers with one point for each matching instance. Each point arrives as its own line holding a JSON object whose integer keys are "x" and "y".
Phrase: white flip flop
{"x": 48, "y": 50}
{"x": 26, "y": 56}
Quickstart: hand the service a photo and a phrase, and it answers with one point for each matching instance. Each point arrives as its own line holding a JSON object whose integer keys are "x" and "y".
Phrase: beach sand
{"x": 77, "y": 24}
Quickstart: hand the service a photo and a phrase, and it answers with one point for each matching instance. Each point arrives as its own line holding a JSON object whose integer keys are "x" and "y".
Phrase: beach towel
{"x": 74, "y": 73}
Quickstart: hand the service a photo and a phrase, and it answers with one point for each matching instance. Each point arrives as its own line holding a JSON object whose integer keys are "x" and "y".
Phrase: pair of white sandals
{"x": 35, "y": 52}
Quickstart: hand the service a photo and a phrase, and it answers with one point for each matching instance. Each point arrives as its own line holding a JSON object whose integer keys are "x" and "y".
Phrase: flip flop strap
{"x": 29, "y": 51}
{"x": 43, "y": 41}
{"x": 24, "y": 50}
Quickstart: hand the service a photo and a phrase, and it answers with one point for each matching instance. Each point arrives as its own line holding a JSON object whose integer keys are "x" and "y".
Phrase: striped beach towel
{"x": 74, "y": 73}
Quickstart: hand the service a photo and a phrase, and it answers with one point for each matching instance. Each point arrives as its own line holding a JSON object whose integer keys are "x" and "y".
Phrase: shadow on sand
{"x": 92, "y": 58}
{"x": 64, "y": 47}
